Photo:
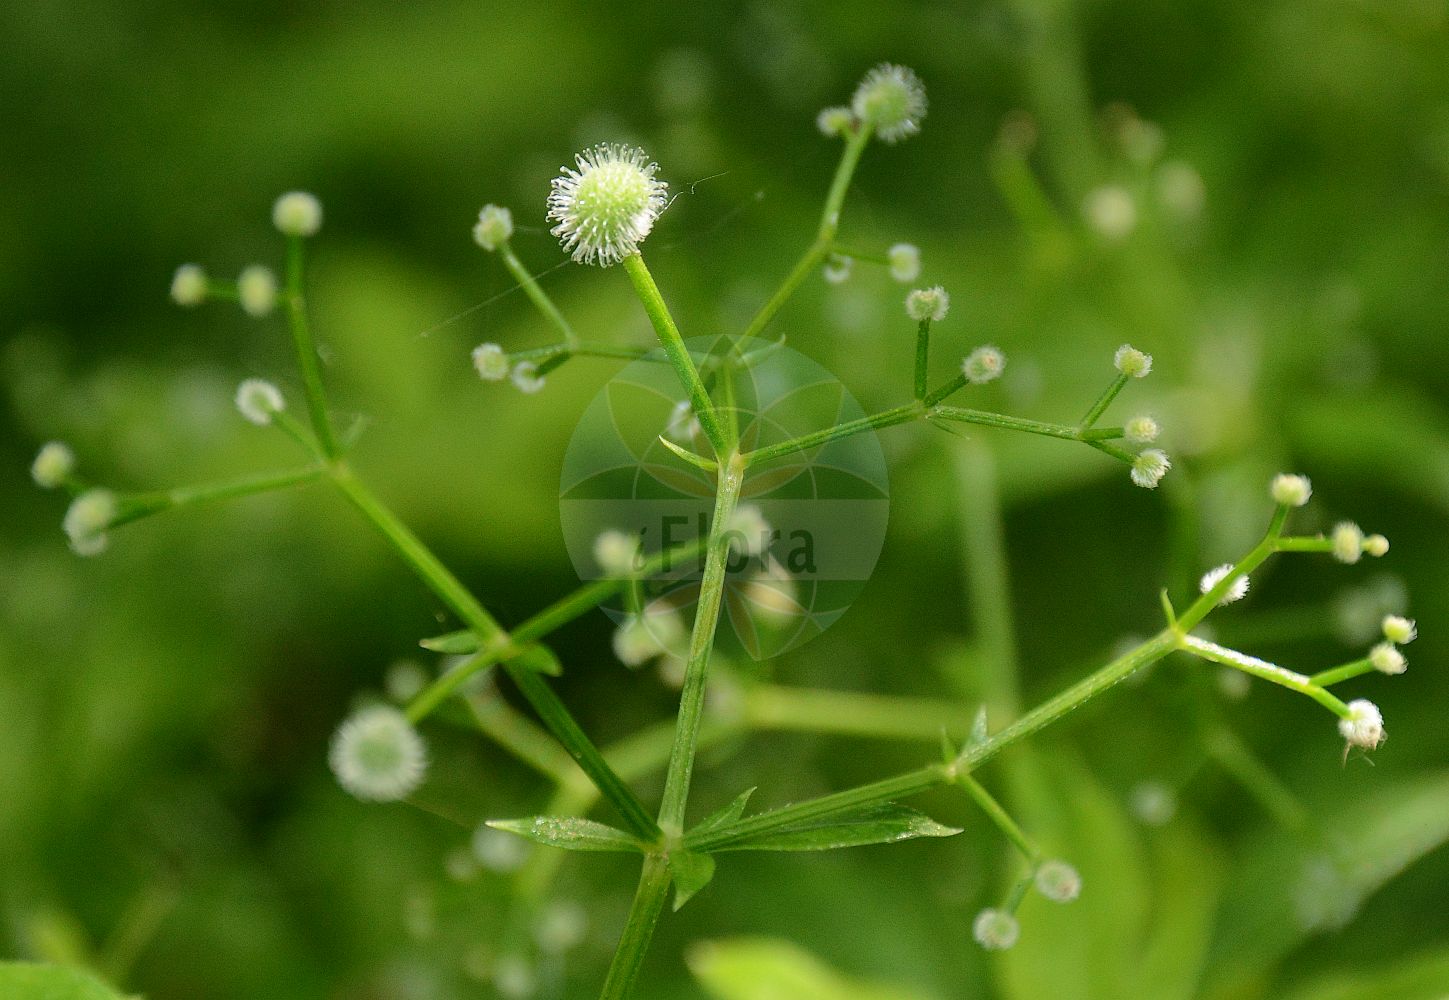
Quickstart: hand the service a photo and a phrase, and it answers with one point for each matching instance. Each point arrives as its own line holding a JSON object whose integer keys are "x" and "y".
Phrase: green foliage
{"x": 27, "y": 981}
{"x": 767, "y": 969}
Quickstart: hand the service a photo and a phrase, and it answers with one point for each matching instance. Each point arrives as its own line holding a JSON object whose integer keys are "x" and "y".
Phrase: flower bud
{"x": 87, "y": 519}
{"x": 833, "y": 122}
{"x": 1236, "y": 591}
{"x": 1290, "y": 490}
{"x": 493, "y": 228}
{"x": 1130, "y": 361}
{"x": 525, "y": 378}
{"x": 491, "y": 362}
{"x": 927, "y": 304}
{"x": 297, "y": 213}
{"x": 1364, "y": 725}
{"x": 1149, "y": 468}
{"x": 53, "y": 464}
{"x": 604, "y": 209}
{"x": 1400, "y": 629}
{"x": 837, "y": 268}
{"x": 1347, "y": 542}
{"x": 1376, "y": 545}
{"x": 189, "y": 285}
{"x": 892, "y": 100}
{"x": 646, "y": 636}
{"x": 377, "y": 755}
{"x": 1141, "y": 430}
{"x": 256, "y": 289}
{"x": 1387, "y": 659}
{"x": 995, "y": 930}
{"x": 905, "y": 262}
{"x": 985, "y": 364}
{"x": 259, "y": 400}
{"x": 1058, "y": 881}
{"x": 616, "y": 553}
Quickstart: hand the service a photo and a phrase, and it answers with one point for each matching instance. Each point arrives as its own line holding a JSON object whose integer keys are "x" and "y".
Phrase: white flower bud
{"x": 1347, "y": 542}
{"x": 1149, "y": 468}
{"x": 377, "y": 755}
{"x": 985, "y": 364}
{"x": 616, "y": 553}
{"x": 87, "y": 519}
{"x": 905, "y": 262}
{"x": 644, "y": 637}
{"x": 1058, "y": 881}
{"x": 1400, "y": 629}
{"x": 1376, "y": 545}
{"x": 1141, "y": 430}
{"x": 837, "y": 268}
{"x": 1110, "y": 211}
{"x": 892, "y": 100}
{"x": 1290, "y": 490}
{"x": 256, "y": 289}
{"x": 1387, "y": 659}
{"x": 1364, "y": 726}
{"x": 259, "y": 400}
{"x": 525, "y": 377}
{"x": 995, "y": 930}
{"x": 749, "y": 532}
{"x": 493, "y": 228}
{"x": 833, "y": 122}
{"x": 605, "y": 208}
{"x": 1236, "y": 591}
{"x": 927, "y": 304}
{"x": 53, "y": 464}
{"x": 491, "y": 362}
{"x": 297, "y": 213}
{"x": 1130, "y": 361}
{"x": 189, "y": 285}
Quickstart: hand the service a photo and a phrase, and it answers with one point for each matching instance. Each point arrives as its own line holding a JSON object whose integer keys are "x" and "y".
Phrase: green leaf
{"x": 729, "y": 814}
{"x": 882, "y": 824}
{"x": 460, "y": 642}
{"x": 769, "y": 969}
{"x": 1405, "y": 979}
{"x": 691, "y": 872}
{"x": 29, "y": 981}
{"x": 572, "y": 833}
{"x": 464, "y": 642}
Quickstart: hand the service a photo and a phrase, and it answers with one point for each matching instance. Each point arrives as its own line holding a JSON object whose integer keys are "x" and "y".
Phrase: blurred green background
{"x": 165, "y": 806}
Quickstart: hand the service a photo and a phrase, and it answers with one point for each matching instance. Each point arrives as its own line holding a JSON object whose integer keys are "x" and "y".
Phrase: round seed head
{"x": 1290, "y": 490}
{"x": 493, "y": 228}
{"x": 606, "y": 207}
{"x": 1400, "y": 629}
{"x": 297, "y": 213}
{"x": 87, "y": 519}
{"x": 377, "y": 755}
{"x": 491, "y": 362}
{"x": 1387, "y": 659}
{"x": 1130, "y": 361}
{"x": 905, "y": 262}
{"x": 1149, "y": 468}
{"x": 927, "y": 304}
{"x": 644, "y": 637}
{"x": 985, "y": 364}
{"x": 616, "y": 553}
{"x": 53, "y": 464}
{"x": 837, "y": 268}
{"x": 1347, "y": 542}
{"x": 1141, "y": 430}
{"x": 1058, "y": 881}
{"x": 1376, "y": 545}
{"x": 189, "y": 285}
{"x": 1111, "y": 212}
{"x": 749, "y": 531}
{"x": 256, "y": 288}
{"x": 526, "y": 378}
{"x": 833, "y": 122}
{"x": 1236, "y": 591}
{"x": 259, "y": 400}
{"x": 995, "y": 930}
{"x": 1364, "y": 726}
{"x": 892, "y": 100}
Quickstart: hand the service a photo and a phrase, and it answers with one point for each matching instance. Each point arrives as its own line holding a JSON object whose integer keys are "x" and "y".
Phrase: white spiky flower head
{"x": 87, "y": 519}
{"x": 1399, "y": 629}
{"x": 1376, "y": 545}
{"x": 53, "y": 464}
{"x": 1130, "y": 361}
{"x": 377, "y": 755}
{"x": 905, "y": 262}
{"x": 927, "y": 304}
{"x": 892, "y": 100}
{"x": 491, "y": 362}
{"x": 1363, "y": 726}
{"x": 297, "y": 213}
{"x": 1387, "y": 659}
{"x": 605, "y": 208}
{"x": 189, "y": 285}
{"x": 1111, "y": 211}
{"x": 616, "y": 553}
{"x": 256, "y": 290}
{"x": 1058, "y": 881}
{"x": 834, "y": 122}
{"x": 750, "y": 533}
{"x": 985, "y": 364}
{"x": 1236, "y": 591}
{"x": 837, "y": 268}
{"x": 493, "y": 228}
{"x": 525, "y": 378}
{"x": 995, "y": 930}
{"x": 1347, "y": 541}
{"x": 1141, "y": 430}
{"x": 1149, "y": 467}
{"x": 1290, "y": 490}
{"x": 259, "y": 401}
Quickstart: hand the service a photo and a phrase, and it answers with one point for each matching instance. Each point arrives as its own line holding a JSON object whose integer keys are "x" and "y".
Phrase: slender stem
{"x": 137, "y": 506}
{"x": 988, "y": 578}
{"x": 639, "y": 929}
{"x": 1336, "y": 675}
{"x": 852, "y": 713}
{"x": 987, "y": 419}
{"x": 1305, "y": 544}
{"x": 701, "y": 644}
{"x": 824, "y": 235}
{"x": 899, "y": 415}
{"x": 1000, "y": 817}
{"x": 1281, "y": 676}
{"x": 946, "y": 390}
{"x": 520, "y": 736}
{"x": 1200, "y": 608}
{"x": 674, "y": 349}
{"x": 585, "y": 349}
{"x": 923, "y": 353}
{"x": 540, "y": 298}
{"x": 1105, "y": 400}
{"x": 307, "y": 359}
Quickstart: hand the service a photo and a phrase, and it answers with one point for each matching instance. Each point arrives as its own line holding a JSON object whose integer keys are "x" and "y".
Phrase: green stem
{"x": 988, "y": 578}
{"x": 899, "y": 415}
{"x": 307, "y": 359}
{"x": 1000, "y": 817}
{"x": 923, "y": 352}
{"x": 851, "y": 713}
{"x": 584, "y": 349}
{"x": 639, "y": 929}
{"x": 1105, "y": 400}
{"x": 1001, "y": 420}
{"x": 674, "y": 349}
{"x": 1281, "y": 676}
{"x": 1348, "y": 671}
{"x": 1203, "y": 606}
{"x": 540, "y": 299}
{"x": 137, "y": 506}
{"x": 701, "y": 644}
{"x": 520, "y": 736}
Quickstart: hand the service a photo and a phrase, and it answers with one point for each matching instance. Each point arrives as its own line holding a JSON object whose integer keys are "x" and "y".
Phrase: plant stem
{"x": 639, "y": 929}
{"x": 701, "y": 644}
{"x": 1000, "y": 817}
{"x": 540, "y": 299}
{"x": 1202, "y": 607}
{"x": 923, "y": 353}
{"x": 852, "y": 713}
{"x": 307, "y": 359}
{"x": 585, "y": 349}
{"x": 898, "y": 415}
{"x": 1001, "y": 420}
{"x": 1105, "y": 400}
{"x": 137, "y": 506}
{"x": 674, "y": 349}
{"x": 1348, "y": 671}
{"x": 988, "y": 577}
{"x": 1281, "y": 676}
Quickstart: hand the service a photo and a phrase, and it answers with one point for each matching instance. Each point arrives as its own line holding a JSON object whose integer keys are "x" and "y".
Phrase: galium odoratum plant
{"x": 602, "y": 210}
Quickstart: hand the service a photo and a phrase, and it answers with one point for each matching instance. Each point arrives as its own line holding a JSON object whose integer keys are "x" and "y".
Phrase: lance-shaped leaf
{"x": 727, "y": 815}
{"x": 572, "y": 833}
{"x": 457, "y": 643}
{"x": 692, "y": 872}
{"x": 877, "y": 824}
